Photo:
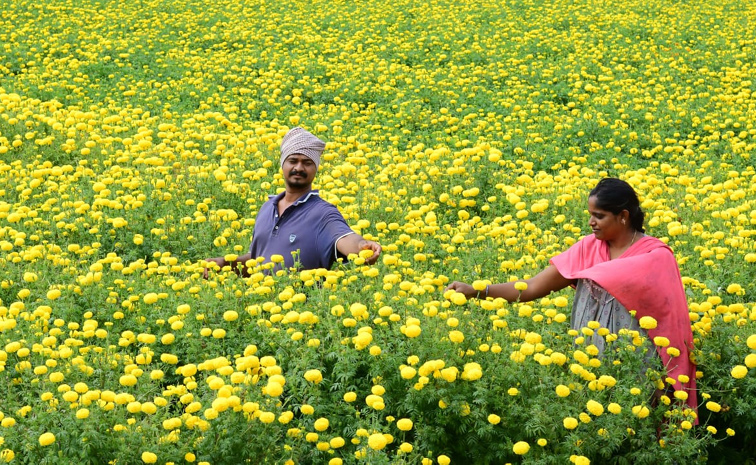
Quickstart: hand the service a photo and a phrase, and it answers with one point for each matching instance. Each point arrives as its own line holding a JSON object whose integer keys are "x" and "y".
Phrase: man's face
{"x": 298, "y": 171}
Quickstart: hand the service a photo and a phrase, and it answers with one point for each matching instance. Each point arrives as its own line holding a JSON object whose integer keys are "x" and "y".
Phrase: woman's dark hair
{"x": 615, "y": 195}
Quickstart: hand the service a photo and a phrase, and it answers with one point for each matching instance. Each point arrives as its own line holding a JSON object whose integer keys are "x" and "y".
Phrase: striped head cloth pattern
{"x": 299, "y": 140}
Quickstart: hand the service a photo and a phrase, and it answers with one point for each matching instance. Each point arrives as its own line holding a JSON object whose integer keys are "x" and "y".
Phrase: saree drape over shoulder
{"x": 646, "y": 279}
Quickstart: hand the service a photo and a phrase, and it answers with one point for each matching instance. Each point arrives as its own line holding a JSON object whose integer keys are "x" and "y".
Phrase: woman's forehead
{"x": 593, "y": 205}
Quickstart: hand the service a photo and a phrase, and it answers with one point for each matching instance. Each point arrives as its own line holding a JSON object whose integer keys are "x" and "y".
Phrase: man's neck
{"x": 292, "y": 195}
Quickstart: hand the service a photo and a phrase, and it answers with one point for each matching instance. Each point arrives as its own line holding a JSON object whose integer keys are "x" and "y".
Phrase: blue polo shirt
{"x": 309, "y": 227}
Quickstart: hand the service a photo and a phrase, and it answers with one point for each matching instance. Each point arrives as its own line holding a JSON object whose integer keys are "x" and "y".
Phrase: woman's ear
{"x": 625, "y": 215}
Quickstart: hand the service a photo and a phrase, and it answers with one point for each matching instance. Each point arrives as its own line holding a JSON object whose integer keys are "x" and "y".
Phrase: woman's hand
{"x": 463, "y": 288}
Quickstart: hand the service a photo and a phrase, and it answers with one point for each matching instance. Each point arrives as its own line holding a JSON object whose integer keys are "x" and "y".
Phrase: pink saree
{"x": 646, "y": 279}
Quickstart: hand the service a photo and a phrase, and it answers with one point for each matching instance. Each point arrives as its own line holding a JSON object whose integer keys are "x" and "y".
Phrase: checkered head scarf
{"x": 299, "y": 140}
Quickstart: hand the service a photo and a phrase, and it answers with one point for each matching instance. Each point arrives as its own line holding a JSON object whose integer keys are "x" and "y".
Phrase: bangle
{"x": 486, "y": 296}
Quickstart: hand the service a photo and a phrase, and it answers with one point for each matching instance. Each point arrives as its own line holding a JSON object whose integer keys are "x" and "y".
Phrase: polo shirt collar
{"x": 299, "y": 201}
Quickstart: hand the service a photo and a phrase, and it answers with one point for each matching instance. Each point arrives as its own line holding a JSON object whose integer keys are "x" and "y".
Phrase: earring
{"x": 623, "y": 221}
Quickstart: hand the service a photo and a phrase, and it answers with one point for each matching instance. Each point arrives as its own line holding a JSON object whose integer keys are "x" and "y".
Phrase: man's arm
{"x": 353, "y": 243}
{"x": 237, "y": 265}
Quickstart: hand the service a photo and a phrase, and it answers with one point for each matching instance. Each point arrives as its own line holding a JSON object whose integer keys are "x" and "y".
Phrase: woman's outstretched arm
{"x": 540, "y": 285}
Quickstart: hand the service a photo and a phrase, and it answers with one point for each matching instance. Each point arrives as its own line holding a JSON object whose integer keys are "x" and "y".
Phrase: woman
{"x": 616, "y": 269}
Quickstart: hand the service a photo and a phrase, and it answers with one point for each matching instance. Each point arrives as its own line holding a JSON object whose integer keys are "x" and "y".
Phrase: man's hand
{"x": 370, "y": 245}
{"x": 220, "y": 261}
{"x": 354, "y": 244}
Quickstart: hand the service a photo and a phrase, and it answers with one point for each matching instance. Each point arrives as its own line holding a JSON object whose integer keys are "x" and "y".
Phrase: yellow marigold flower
{"x": 273, "y": 389}
{"x": 739, "y": 371}
{"x": 82, "y": 413}
{"x": 673, "y": 351}
{"x": 558, "y": 358}
{"x": 542, "y": 442}
{"x": 560, "y": 301}
{"x": 570, "y": 422}
{"x": 413, "y": 331}
{"x": 594, "y": 407}
{"x": 377, "y": 441}
{"x": 472, "y": 371}
{"x": 149, "y": 457}
{"x": 580, "y": 460}
{"x": 562, "y": 390}
{"x": 640, "y": 411}
{"x": 751, "y": 342}
{"x": 479, "y": 285}
{"x": 661, "y": 341}
{"x": 7, "y": 455}
{"x": 321, "y": 424}
{"x": 443, "y": 460}
{"x": 735, "y": 288}
{"x": 404, "y": 424}
{"x": 408, "y": 372}
{"x": 267, "y": 417}
{"x": 45, "y": 439}
{"x": 521, "y": 285}
{"x": 219, "y": 333}
{"x": 521, "y": 448}
{"x": 53, "y": 294}
{"x": 337, "y": 442}
{"x": 456, "y": 336}
{"x": 607, "y": 381}
{"x": 169, "y": 359}
{"x": 614, "y": 408}
{"x": 313, "y": 376}
{"x": 350, "y": 397}
{"x": 458, "y": 298}
{"x": 647, "y": 322}
{"x": 494, "y": 419}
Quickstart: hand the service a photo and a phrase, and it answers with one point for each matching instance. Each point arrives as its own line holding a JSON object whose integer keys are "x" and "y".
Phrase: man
{"x": 297, "y": 224}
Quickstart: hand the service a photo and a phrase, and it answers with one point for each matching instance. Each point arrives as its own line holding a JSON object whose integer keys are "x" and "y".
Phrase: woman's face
{"x": 605, "y": 224}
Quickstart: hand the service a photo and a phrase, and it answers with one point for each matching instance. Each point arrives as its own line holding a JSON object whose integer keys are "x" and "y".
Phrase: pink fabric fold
{"x": 646, "y": 278}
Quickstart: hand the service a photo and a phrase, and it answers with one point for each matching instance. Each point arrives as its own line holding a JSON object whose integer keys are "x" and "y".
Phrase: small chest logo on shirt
{"x": 292, "y": 238}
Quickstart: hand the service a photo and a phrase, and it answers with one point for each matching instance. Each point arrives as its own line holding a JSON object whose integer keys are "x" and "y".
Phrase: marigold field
{"x": 138, "y": 138}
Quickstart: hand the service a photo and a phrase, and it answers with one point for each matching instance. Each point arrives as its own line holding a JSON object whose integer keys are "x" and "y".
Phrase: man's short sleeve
{"x": 332, "y": 228}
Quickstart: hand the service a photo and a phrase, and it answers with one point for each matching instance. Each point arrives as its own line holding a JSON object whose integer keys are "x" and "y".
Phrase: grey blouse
{"x": 594, "y": 303}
